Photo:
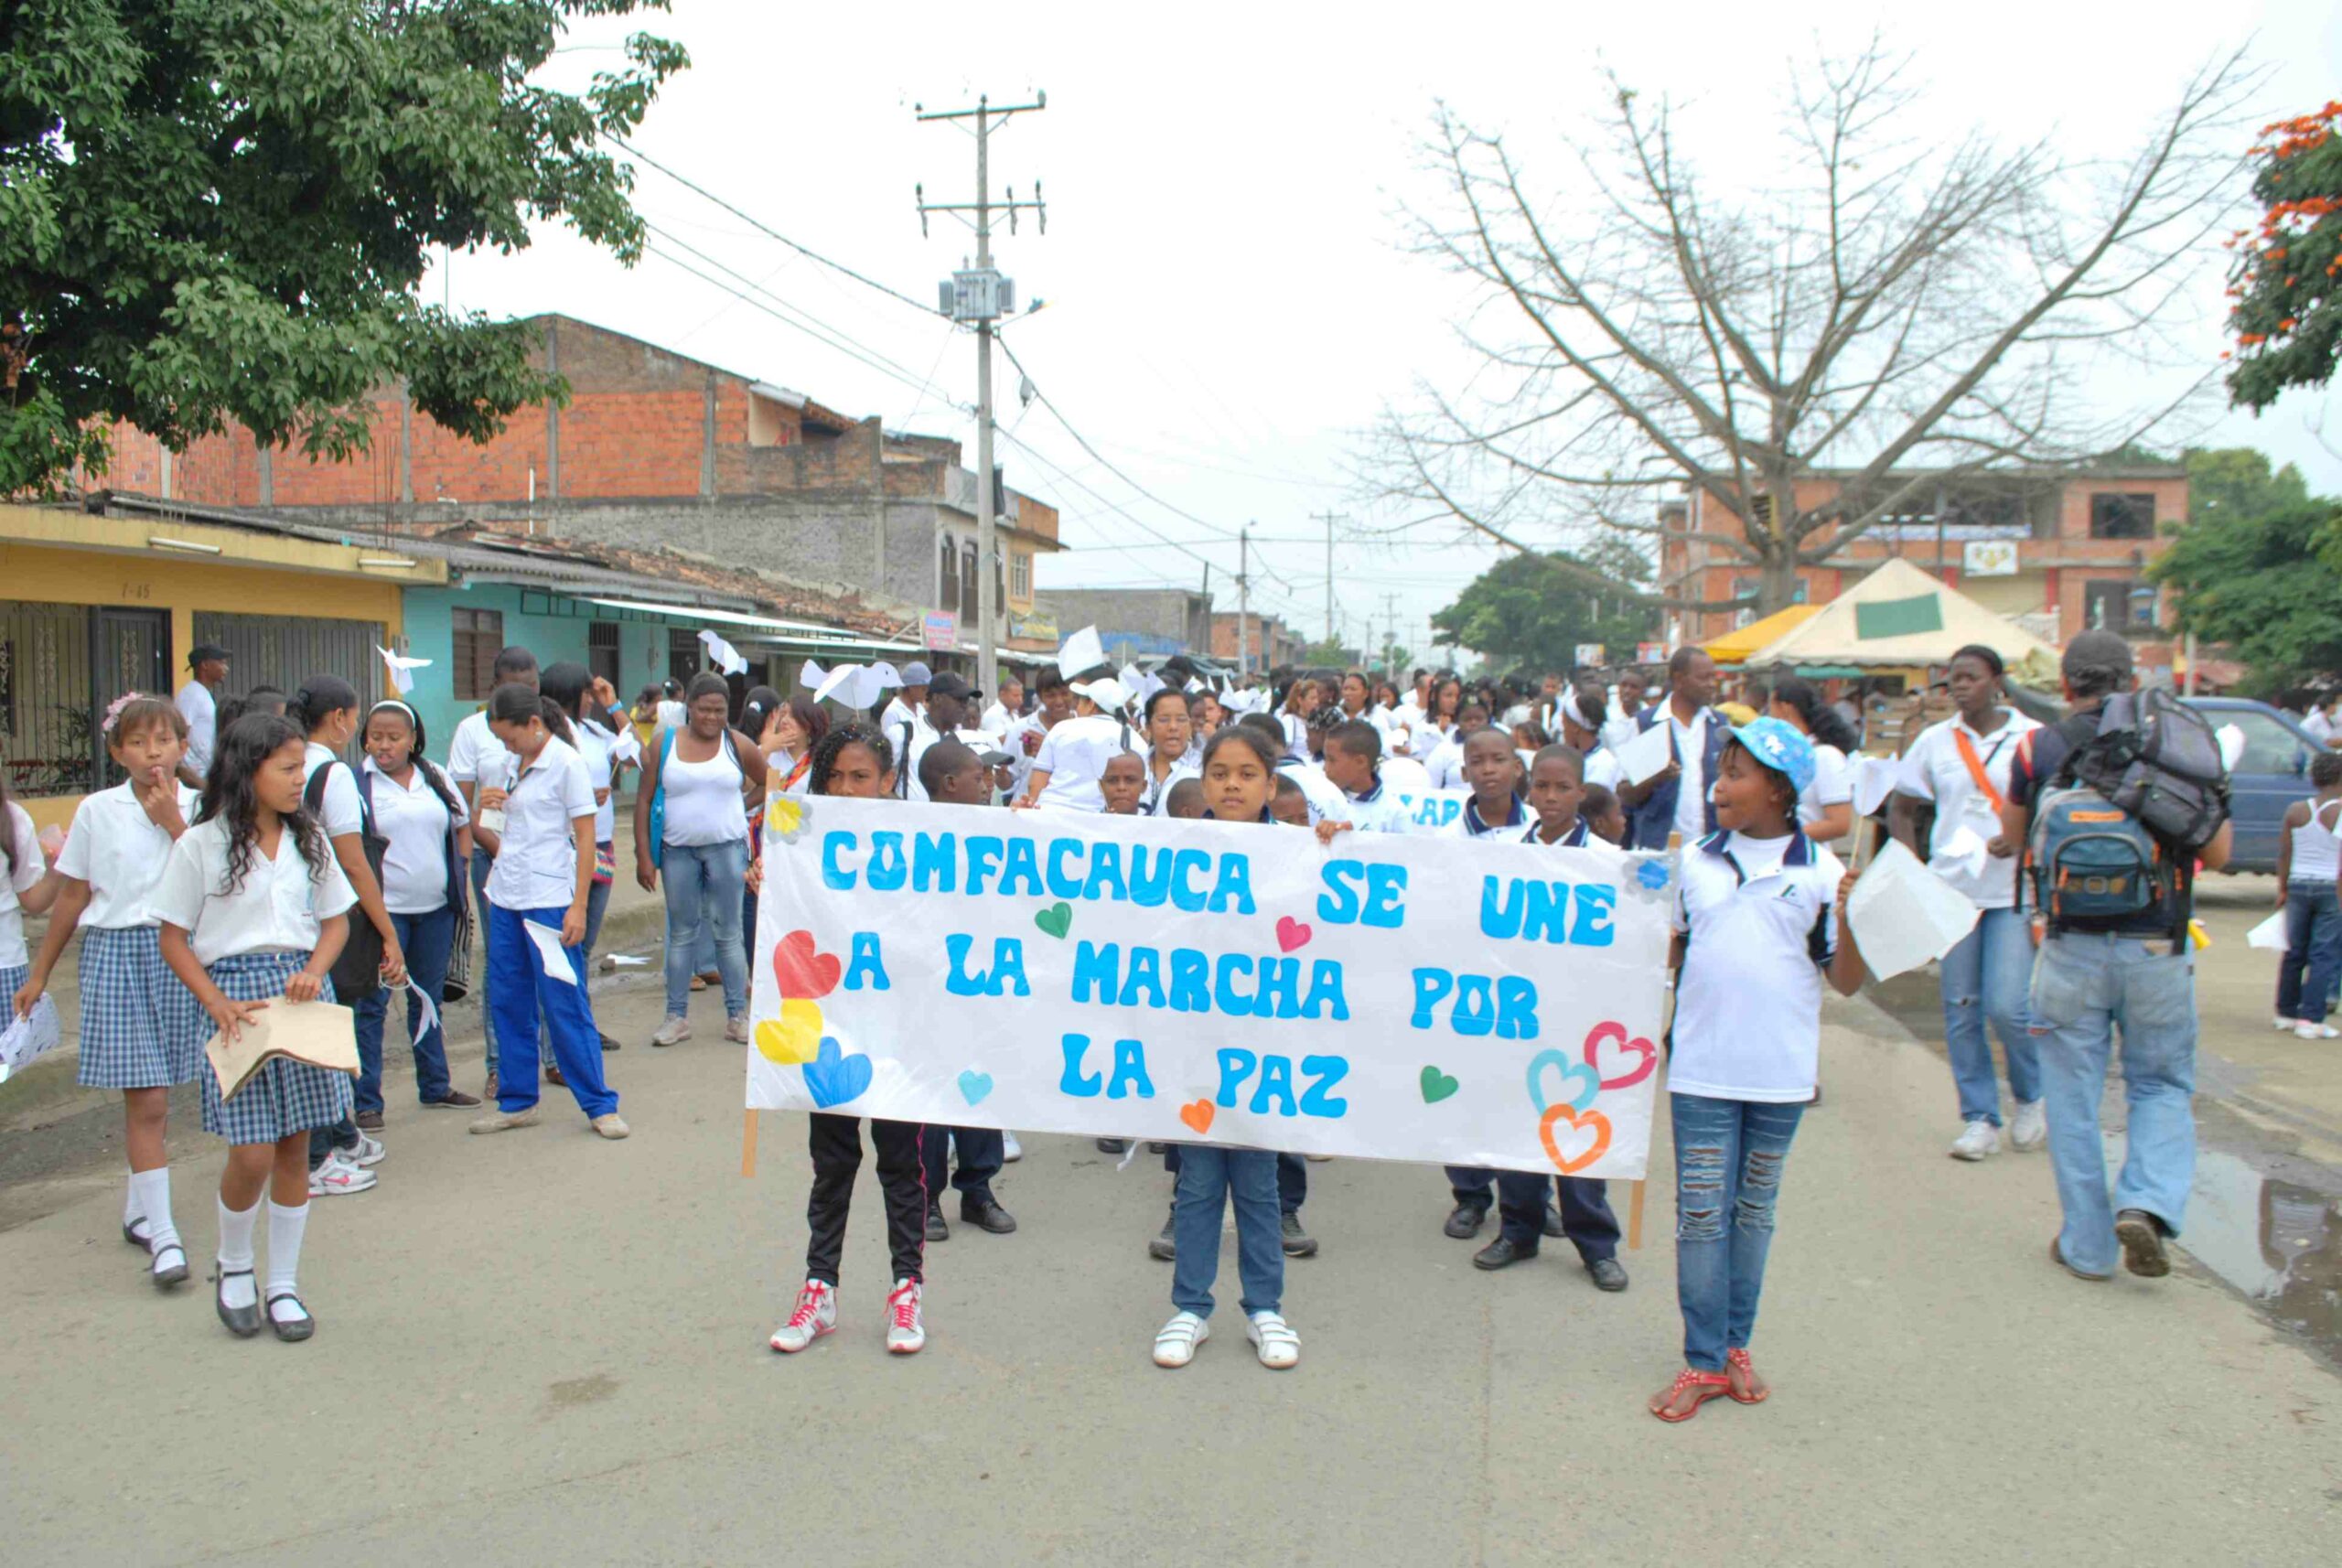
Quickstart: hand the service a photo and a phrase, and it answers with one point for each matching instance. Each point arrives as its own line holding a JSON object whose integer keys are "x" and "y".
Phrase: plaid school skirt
{"x": 140, "y": 1027}
{"x": 283, "y": 1097}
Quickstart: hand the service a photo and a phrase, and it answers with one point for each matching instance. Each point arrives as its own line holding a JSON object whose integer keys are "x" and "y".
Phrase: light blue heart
{"x": 974, "y": 1086}
{"x": 832, "y": 1078}
{"x": 1589, "y": 1082}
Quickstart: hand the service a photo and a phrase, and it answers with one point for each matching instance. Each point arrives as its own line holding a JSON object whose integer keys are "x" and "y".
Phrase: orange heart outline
{"x": 1198, "y": 1114}
{"x": 1566, "y": 1112}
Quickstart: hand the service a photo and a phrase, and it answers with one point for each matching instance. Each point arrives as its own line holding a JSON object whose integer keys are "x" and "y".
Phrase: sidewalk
{"x": 542, "y": 1346}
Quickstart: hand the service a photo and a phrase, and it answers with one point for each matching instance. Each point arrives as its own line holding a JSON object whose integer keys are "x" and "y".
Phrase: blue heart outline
{"x": 1589, "y": 1080}
{"x": 832, "y": 1078}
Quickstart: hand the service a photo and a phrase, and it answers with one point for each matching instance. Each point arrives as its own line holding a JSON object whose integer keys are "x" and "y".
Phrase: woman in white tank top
{"x": 2309, "y": 890}
{"x": 697, "y": 780}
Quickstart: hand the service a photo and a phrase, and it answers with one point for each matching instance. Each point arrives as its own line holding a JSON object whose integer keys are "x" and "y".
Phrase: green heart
{"x": 1438, "y": 1086}
{"x": 1057, "y": 920}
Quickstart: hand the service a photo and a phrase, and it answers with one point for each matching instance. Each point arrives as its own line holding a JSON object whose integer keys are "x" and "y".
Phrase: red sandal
{"x": 1708, "y": 1384}
{"x": 1737, "y": 1362}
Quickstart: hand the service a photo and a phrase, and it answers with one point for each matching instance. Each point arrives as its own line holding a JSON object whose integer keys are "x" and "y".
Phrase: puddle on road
{"x": 2275, "y": 1240}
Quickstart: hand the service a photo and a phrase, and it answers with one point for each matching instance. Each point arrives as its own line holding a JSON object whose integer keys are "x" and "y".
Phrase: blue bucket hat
{"x": 1780, "y": 745}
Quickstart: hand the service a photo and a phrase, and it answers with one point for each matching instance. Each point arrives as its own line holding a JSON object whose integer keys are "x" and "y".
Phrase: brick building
{"x": 2057, "y": 551}
{"x": 1134, "y": 623}
{"x": 653, "y": 449}
{"x": 1270, "y": 641}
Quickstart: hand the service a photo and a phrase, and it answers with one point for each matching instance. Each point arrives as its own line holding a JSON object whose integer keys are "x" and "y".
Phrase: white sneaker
{"x": 906, "y": 1331}
{"x": 1011, "y": 1151}
{"x": 673, "y": 1031}
{"x": 736, "y": 1031}
{"x": 368, "y": 1152}
{"x": 1176, "y": 1342}
{"x": 2305, "y": 1030}
{"x": 1278, "y": 1345}
{"x": 336, "y": 1176}
{"x": 2029, "y": 1128}
{"x": 816, "y": 1313}
{"x": 2281, "y": 1025}
{"x": 1976, "y": 1140}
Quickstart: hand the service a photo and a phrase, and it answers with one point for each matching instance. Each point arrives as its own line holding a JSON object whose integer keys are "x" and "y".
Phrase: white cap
{"x": 1105, "y": 690}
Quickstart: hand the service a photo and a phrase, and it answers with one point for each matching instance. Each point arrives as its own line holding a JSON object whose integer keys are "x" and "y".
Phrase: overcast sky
{"x": 1228, "y": 305}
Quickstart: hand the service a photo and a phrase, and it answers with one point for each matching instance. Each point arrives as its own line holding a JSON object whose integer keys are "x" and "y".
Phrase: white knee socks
{"x": 284, "y": 1229}
{"x": 150, "y": 1195}
{"x": 133, "y": 1217}
{"x": 236, "y": 1254}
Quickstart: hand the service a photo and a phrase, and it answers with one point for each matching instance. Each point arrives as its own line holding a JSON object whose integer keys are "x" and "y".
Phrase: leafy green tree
{"x": 2287, "y": 318}
{"x": 220, "y": 209}
{"x": 1534, "y": 610}
{"x": 2258, "y": 568}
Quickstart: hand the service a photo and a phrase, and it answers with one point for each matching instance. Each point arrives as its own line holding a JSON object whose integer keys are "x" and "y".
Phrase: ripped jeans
{"x": 1728, "y": 1159}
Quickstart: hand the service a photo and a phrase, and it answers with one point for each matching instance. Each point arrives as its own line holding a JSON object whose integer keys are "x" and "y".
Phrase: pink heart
{"x": 1292, "y": 934}
{"x": 1615, "y": 1074}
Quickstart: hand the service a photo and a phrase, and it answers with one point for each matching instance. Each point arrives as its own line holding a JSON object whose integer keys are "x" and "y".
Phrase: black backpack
{"x": 2158, "y": 759}
{"x": 357, "y": 973}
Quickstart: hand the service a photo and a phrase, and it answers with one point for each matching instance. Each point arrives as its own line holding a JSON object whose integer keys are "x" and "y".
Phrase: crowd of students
{"x": 244, "y": 864}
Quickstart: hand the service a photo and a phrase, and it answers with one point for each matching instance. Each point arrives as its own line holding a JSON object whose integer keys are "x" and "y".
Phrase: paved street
{"x": 542, "y": 1347}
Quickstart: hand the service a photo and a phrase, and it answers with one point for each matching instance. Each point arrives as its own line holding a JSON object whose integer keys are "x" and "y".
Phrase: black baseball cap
{"x": 203, "y": 652}
{"x": 950, "y": 685}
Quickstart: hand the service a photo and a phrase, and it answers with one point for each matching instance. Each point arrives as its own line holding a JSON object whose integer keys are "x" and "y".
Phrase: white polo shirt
{"x": 1380, "y": 811}
{"x": 1934, "y": 770}
{"x": 414, "y": 820}
{"x": 1327, "y": 801}
{"x": 117, "y": 849}
{"x": 1074, "y": 755}
{"x": 1759, "y": 921}
{"x": 1578, "y": 837}
{"x": 201, "y": 711}
{"x": 1158, "y": 791}
{"x": 1691, "y": 752}
{"x": 1446, "y": 766}
{"x": 595, "y": 745}
{"x": 340, "y": 811}
{"x": 1470, "y": 824}
{"x": 537, "y": 868}
{"x": 26, "y": 866}
{"x": 1602, "y": 767}
{"x": 475, "y": 755}
{"x": 276, "y": 909}
{"x": 1833, "y": 782}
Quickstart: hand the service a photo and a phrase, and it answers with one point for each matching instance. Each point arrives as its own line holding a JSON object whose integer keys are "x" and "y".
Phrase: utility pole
{"x": 1244, "y": 601}
{"x": 982, "y": 296}
{"x": 1330, "y": 519}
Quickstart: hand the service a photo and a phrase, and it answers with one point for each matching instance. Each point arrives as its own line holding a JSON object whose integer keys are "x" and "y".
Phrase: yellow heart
{"x": 794, "y": 1037}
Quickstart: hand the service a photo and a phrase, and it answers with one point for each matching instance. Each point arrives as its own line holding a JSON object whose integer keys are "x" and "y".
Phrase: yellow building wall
{"x": 106, "y": 572}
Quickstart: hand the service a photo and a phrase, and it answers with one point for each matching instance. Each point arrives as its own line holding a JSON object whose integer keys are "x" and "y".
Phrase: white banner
{"x": 1391, "y": 996}
{"x": 1433, "y": 810}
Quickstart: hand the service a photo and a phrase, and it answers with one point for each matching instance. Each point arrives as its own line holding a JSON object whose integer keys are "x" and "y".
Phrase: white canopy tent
{"x": 1899, "y": 616}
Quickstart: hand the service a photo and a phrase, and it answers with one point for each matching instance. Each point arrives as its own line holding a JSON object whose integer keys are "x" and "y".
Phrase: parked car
{"x": 2272, "y": 774}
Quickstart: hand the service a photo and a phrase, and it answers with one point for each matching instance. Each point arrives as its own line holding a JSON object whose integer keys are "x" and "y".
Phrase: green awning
{"x": 1897, "y": 618}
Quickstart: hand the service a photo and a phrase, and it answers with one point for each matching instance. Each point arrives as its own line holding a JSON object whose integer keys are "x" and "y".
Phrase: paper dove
{"x": 889, "y": 678}
{"x": 810, "y": 676}
{"x": 856, "y": 686}
{"x": 1081, "y": 653}
{"x": 1145, "y": 688}
{"x": 401, "y": 666}
{"x": 625, "y": 747}
{"x": 725, "y": 656}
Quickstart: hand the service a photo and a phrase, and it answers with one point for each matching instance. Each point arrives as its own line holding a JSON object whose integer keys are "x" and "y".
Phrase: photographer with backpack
{"x": 2116, "y": 806}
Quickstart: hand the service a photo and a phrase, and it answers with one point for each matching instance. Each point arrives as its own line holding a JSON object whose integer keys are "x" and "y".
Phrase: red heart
{"x": 1292, "y": 934}
{"x": 1616, "y": 1034}
{"x": 802, "y": 971}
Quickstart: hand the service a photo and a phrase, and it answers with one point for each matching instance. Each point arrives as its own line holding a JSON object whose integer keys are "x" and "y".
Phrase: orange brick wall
{"x": 632, "y": 444}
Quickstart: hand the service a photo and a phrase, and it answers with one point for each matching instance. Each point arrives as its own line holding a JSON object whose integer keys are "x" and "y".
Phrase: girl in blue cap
{"x": 1757, "y": 918}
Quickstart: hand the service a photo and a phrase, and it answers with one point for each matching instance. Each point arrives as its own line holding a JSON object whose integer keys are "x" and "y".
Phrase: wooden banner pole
{"x": 749, "y": 1143}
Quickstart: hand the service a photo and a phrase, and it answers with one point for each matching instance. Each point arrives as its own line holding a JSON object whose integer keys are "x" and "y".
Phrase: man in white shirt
{"x": 198, "y": 705}
{"x": 2320, "y": 719}
{"x": 1074, "y": 754}
{"x": 1622, "y": 721}
{"x": 1675, "y": 798}
{"x": 1005, "y": 712}
{"x": 907, "y": 702}
{"x": 949, "y": 698}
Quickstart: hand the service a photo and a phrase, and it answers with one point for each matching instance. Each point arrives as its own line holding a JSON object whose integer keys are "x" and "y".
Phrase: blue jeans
{"x": 482, "y": 863}
{"x": 1209, "y": 1176}
{"x": 2084, "y": 985}
{"x": 704, "y": 883}
{"x": 1728, "y": 1159}
{"x": 1985, "y": 978}
{"x": 519, "y": 992}
{"x": 1292, "y": 1177}
{"x": 428, "y": 941}
{"x": 2313, "y": 960}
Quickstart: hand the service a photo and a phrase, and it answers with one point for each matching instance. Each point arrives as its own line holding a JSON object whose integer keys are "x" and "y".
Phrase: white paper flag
{"x": 1904, "y": 914}
{"x": 27, "y": 1038}
{"x": 548, "y": 951}
{"x": 402, "y": 668}
{"x": 722, "y": 655}
{"x": 1647, "y": 755}
{"x": 428, "y": 1018}
{"x": 2269, "y": 934}
{"x": 1875, "y": 779}
{"x": 1081, "y": 653}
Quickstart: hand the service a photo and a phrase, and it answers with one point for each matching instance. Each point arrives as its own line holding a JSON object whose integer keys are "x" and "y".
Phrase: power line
{"x": 1083, "y": 442}
{"x": 768, "y": 230}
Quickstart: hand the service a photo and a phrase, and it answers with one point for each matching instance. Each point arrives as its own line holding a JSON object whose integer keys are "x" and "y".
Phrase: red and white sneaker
{"x": 906, "y": 1330}
{"x": 816, "y": 1314}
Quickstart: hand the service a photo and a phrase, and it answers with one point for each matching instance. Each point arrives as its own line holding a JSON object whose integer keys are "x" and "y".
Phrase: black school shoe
{"x": 2141, "y": 1234}
{"x": 243, "y": 1322}
{"x": 984, "y": 1212}
{"x": 1298, "y": 1243}
{"x": 1466, "y": 1221}
{"x": 938, "y": 1228}
{"x": 1502, "y": 1253}
{"x": 1609, "y": 1273}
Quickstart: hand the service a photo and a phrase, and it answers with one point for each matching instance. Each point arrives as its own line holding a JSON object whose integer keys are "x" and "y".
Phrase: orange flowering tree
{"x": 2287, "y": 320}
